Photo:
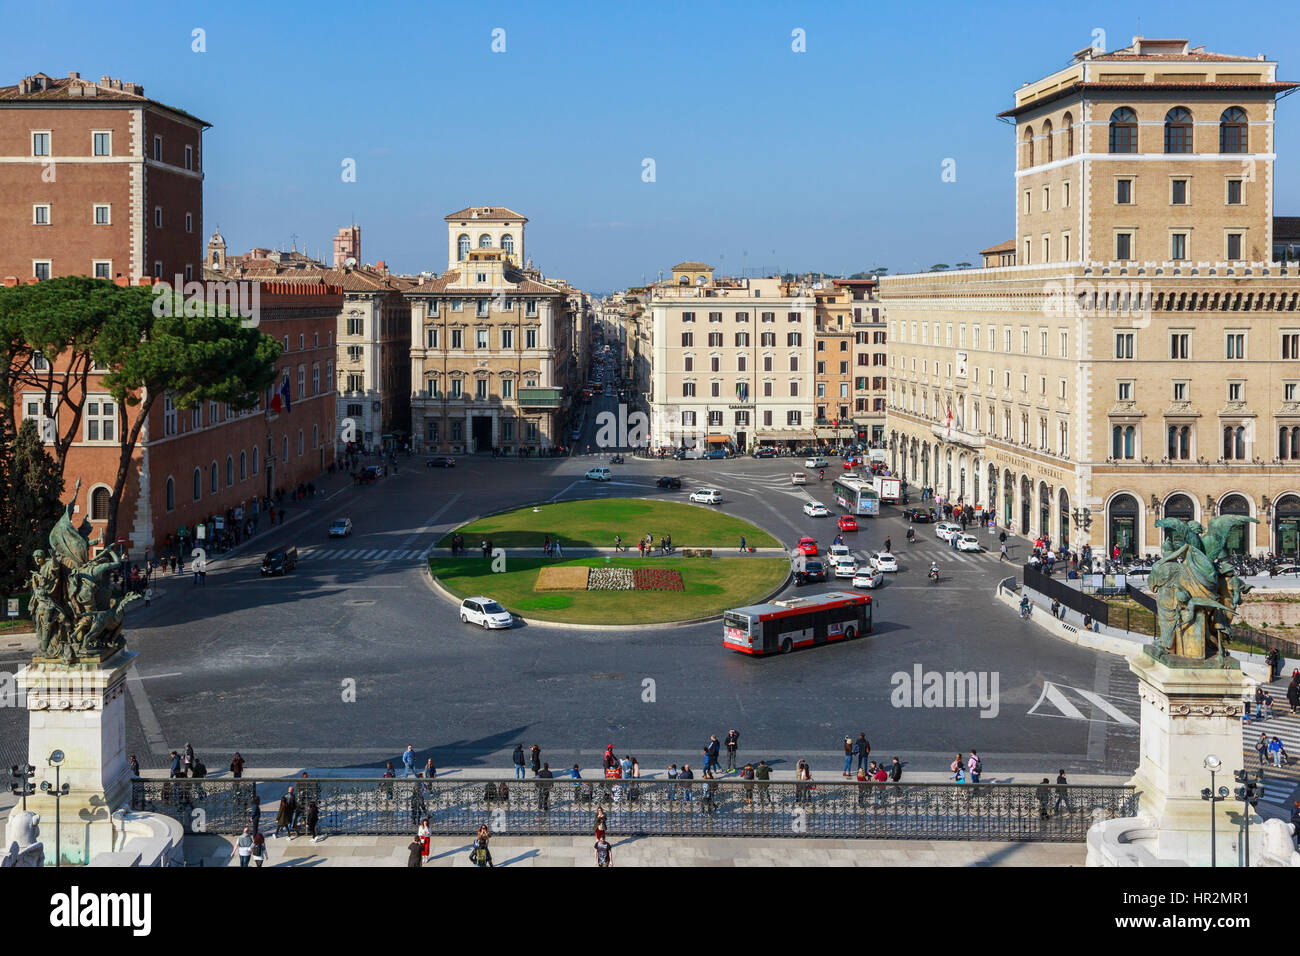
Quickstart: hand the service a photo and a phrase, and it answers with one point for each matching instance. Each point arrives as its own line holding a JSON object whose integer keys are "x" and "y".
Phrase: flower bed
{"x": 610, "y": 579}
{"x": 657, "y": 579}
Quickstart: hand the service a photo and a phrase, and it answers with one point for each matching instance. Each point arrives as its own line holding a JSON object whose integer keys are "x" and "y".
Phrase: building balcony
{"x": 540, "y": 397}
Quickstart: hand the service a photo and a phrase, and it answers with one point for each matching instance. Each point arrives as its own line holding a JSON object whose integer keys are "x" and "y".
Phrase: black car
{"x": 440, "y": 461}
{"x": 280, "y": 560}
{"x": 764, "y": 453}
{"x": 669, "y": 482}
{"x": 809, "y": 571}
{"x": 920, "y": 515}
{"x": 367, "y": 474}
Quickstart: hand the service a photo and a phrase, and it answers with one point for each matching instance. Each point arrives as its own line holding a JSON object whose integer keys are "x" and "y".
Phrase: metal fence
{"x": 1072, "y": 598}
{"x": 732, "y": 807}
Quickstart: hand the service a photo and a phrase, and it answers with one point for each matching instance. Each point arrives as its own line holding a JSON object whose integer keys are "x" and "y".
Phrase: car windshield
{"x": 492, "y": 607}
{"x": 340, "y": 524}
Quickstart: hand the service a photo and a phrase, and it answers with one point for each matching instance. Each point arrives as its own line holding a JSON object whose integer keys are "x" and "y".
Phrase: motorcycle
{"x": 934, "y": 575}
{"x": 911, "y": 536}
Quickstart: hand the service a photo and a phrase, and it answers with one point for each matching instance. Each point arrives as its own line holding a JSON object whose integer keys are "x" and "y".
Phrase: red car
{"x": 848, "y": 523}
{"x": 808, "y": 546}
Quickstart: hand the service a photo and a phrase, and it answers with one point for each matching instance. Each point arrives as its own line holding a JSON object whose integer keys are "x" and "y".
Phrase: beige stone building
{"x": 1141, "y": 358}
{"x": 833, "y": 364}
{"x": 733, "y": 361}
{"x": 870, "y": 345}
{"x": 494, "y": 350}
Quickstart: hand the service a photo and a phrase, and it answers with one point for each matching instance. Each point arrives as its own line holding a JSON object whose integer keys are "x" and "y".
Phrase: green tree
{"x": 939, "y": 267}
{"x": 49, "y": 333}
{"x": 32, "y": 491}
{"x": 195, "y": 358}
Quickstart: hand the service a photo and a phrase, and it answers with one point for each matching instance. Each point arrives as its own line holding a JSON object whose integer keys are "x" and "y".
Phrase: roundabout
{"x": 614, "y": 589}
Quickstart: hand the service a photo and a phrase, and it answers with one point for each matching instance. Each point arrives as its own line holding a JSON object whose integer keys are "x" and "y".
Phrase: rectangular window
{"x": 157, "y": 217}
{"x": 688, "y": 363}
{"x": 189, "y": 157}
{"x": 103, "y": 268}
{"x": 1124, "y": 345}
{"x": 431, "y": 338}
{"x": 1234, "y": 391}
{"x": 41, "y": 269}
{"x": 480, "y": 389}
{"x": 1178, "y": 342}
{"x": 1180, "y": 391}
{"x": 1065, "y": 197}
{"x": 1234, "y": 192}
{"x": 1288, "y": 392}
{"x": 40, "y": 144}
{"x": 530, "y": 307}
{"x": 157, "y": 148}
{"x": 482, "y": 308}
{"x": 767, "y": 390}
{"x": 1123, "y": 246}
{"x": 102, "y": 143}
{"x": 1235, "y": 345}
{"x": 1178, "y": 246}
{"x": 688, "y": 339}
{"x": 101, "y": 418}
{"x": 1234, "y": 246}
{"x": 1124, "y": 391}
{"x": 530, "y": 338}
{"x": 1178, "y": 192}
{"x": 794, "y": 418}
{"x": 1123, "y": 192}
{"x": 715, "y": 389}
{"x": 507, "y": 338}
{"x": 41, "y": 214}
{"x": 189, "y": 222}
{"x": 480, "y": 338}
{"x": 102, "y": 214}
{"x": 715, "y": 316}
{"x": 457, "y": 388}
{"x": 1291, "y": 345}
{"x": 688, "y": 389}
{"x": 457, "y": 338}
{"x": 688, "y": 316}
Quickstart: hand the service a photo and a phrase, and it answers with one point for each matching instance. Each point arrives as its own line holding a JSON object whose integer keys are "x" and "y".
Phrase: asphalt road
{"x": 349, "y": 658}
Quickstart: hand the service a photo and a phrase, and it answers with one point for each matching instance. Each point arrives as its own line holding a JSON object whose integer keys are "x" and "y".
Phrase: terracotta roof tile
{"x": 84, "y": 92}
{"x": 486, "y": 212}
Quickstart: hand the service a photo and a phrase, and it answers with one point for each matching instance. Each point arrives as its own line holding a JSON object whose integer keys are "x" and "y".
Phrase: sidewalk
{"x": 569, "y": 851}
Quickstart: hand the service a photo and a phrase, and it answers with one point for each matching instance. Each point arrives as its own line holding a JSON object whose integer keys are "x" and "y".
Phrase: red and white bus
{"x": 797, "y": 622}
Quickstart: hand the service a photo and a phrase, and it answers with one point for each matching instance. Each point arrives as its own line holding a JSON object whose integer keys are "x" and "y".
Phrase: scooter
{"x": 934, "y": 575}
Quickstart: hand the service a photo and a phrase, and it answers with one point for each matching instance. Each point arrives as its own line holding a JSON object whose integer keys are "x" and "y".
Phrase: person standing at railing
{"x": 733, "y": 744}
{"x": 1062, "y": 793}
{"x": 519, "y": 761}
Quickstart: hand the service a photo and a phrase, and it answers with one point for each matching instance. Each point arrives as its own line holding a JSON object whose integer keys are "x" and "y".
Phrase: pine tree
{"x": 31, "y": 504}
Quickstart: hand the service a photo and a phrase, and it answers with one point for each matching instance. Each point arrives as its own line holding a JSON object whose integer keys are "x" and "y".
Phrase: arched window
{"x": 1123, "y": 131}
{"x": 212, "y": 479}
{"x": 1284, "y": 443}
{"x": 462, "y": 247}
{"x": 243, "y": 465}
{"x": 315, "y": 436}
{"x": 255, "y": 459}
{"x": 300, "y": 443}
{"x": 1178, "y": 130}
{"x": 485, "y": 241}
{"x": 508, "y": 244}
{"x": 99, "y": 499}
{"x": 1029, "y": 147}
{"x": 1123, "y": 441}
{"x": 1234, "y": 442}
{"x": 171, "y": 493}
{"x": 1047, "y": 141}
{"x": 198, "y": 484}
{"x": 230, "y": 470}
{"x": 1236, "y": 540}
{"x": 1067, "y": 130}
{"x": 1123, "y": 512}
{"x": 1234, "y": 131}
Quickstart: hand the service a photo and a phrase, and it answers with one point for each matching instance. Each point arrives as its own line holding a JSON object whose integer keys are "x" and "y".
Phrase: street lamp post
{"x": 1209, "y": 794}
{"x": 1248, "y": 794}
{"x": 58, "y": 791}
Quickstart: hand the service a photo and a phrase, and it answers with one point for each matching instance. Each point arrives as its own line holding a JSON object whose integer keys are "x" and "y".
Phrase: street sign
{"x": 12, "y": 610}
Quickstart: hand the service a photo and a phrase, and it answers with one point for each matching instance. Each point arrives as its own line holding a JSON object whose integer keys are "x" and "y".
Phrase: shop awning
{"x": 719, "y": 439}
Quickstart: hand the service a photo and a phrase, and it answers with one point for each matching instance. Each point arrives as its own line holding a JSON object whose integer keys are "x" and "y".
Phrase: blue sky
{"x": 827, "y": 159}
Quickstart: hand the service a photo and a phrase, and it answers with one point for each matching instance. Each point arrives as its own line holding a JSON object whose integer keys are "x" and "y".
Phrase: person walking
{"x": 742, "y": 544}
{"x": 896, "y": 771}
{"x": 604, "y": 852}
{"x": 259, "y": 848}
{"x": 243, "y": 848}
{"x": 1002, "y": 552}
{"x": 733, "y": 744}
{"x": 974, "y": 766}
{"x": 1044, "y": 794}
{"x": 711, "y": 752}
{"x": 535, "y": 758}
{"x": 1062, "y": 793}
{"x": 415, "y": 854}
{"x": 1261, "y": 748}
{"x": 519, "y": 761}
{"x": 1293, "y": 693}
{"x": 600, "y": 823}
{"x": 313, "y": 819}
{"x": 958, "y": 769}
{"x": 422, "y": 834}
{"x": 408, "y": 760}
{"x": 135, "y": 767}
{"x": 430, "y": 771}
{"x": 177, "y": 767}
{"x": 544, "y": 788}
{"x": 237, "y": 765}
{"x": 284, "y": 816}
{"x": 1275, "y": 751}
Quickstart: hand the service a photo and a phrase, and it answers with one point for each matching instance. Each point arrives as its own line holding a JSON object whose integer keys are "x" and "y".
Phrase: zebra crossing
{"x": 1280, "y": 783}
{"x": 361, "y": 555}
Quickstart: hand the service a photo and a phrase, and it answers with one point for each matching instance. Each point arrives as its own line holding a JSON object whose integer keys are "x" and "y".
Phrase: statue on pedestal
{"x": 77, "y": 619}
{"x": 23, "y": 836}
{"x": 1197, "y": 593}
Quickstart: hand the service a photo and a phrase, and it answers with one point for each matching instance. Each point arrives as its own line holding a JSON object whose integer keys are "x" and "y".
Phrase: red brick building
{"x": 97, "y": 179}
{"x": 194, "y": 463}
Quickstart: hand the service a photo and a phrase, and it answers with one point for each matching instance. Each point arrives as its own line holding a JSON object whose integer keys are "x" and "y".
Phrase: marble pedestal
{"x": 80, "y": 710}
{"x": 1188, "y": 714}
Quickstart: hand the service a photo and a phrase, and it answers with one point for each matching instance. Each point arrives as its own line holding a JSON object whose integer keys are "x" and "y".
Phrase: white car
{"x": 707, "y": 496}
{"x": 798, "y": 478}
{"x": 599, "y": 474}
{"x": 868, "y": 578}
{"x": 884, "y": 561}
{"x": 845, "y": 567}
{"x": 837, "y": 551}
{"x": 815, "y": 509}
{"x": 816, "y": 463}
{"x": 944, "y": 530}
{"x": 485, "y": 612}
{"x": 968, "y": 542}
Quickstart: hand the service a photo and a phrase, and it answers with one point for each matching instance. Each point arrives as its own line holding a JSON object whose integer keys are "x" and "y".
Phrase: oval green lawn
{"x": 711, "y": 586}
{"x": 593, "y": 523}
